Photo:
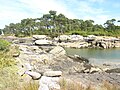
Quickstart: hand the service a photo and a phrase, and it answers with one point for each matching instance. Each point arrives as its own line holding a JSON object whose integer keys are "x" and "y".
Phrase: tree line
{"x": 54, "y": 24}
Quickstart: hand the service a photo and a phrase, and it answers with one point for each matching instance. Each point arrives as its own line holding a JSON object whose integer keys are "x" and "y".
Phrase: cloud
{"x": 19, "y": 9}
{"x": 44, "y": 6}
{"x": 13, "y": 11}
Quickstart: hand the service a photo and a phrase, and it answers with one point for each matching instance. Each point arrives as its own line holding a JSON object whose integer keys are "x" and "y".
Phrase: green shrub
{"x": 6, "y": 58}
{"x": 4, "y": 45}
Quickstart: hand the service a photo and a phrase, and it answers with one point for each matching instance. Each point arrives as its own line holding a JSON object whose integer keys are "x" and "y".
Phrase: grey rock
{"x": 49, "y": 83}
{"x": 114, "y": 70}
{"x": 52, "y": 73}
{"x": 43, "y": 42}
{"x": 34, "y": 75}
{"x": 40, "y": 37}
{"x": 58, "y": 51}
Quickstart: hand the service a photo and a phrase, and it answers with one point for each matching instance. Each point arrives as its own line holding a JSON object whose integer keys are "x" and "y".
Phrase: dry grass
{"x": 30, "y": 86}
{"x": 109, "y": 86}
{"x": 71, "y": 85}
{"x": 68, "y": 85}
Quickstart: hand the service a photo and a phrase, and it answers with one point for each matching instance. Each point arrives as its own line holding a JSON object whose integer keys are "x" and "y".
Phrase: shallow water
{"x": 98, "y": 56}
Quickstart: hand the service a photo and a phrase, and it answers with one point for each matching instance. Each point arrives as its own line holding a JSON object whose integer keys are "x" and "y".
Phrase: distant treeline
{"x": 54, "y": 24}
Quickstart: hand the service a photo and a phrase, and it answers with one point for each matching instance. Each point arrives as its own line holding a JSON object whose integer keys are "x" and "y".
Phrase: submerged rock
{"x": 114, "y": 70}
{"x": 79, "y": 59}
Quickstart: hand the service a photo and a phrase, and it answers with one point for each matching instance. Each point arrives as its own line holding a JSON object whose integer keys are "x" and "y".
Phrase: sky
{"x": 13, "y": 11}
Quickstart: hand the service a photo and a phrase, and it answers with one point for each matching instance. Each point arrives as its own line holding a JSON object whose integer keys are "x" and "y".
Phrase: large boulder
{"x": 49, "y": 83}
{"x": 58, "y": 51}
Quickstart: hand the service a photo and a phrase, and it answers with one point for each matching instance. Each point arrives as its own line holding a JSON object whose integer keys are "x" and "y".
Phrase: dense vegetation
{"x": 56, "y": 24}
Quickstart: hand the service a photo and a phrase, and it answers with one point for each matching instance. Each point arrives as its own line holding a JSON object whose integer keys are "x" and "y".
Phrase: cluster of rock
{"x": 78, "y": 41}
{"x": 48, "y": 80}
{"x": 91, "y": 41}
{"x": 71, "y": 41}
{"x": 41, "y": 57}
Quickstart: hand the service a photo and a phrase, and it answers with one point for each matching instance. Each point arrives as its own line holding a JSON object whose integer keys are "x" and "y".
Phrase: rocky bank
{"x": 41, "y": 57}
{"x": 35, "y": 58}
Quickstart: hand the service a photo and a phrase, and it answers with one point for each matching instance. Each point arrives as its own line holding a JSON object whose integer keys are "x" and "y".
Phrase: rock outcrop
{"x": 90, "y": 41}
{"x": 50, "y": 80}
{"x": 57, "y": 61}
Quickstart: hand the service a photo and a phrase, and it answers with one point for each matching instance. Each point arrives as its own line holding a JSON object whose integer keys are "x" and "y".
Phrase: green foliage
{"x": 55, "y": 24}
{"x": 4, "y": 45}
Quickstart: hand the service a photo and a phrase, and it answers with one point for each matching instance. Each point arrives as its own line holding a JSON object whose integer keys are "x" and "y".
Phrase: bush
{"x": 6, "y": 58}
{"x": 4, "y": 45}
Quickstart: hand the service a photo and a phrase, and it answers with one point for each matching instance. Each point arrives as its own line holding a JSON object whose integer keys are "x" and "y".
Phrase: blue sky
{"x": 13, "y": 11}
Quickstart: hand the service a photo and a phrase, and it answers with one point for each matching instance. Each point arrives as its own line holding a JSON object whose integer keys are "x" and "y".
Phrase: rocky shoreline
{"x": 71, "y": 41}
{"x": 46, "y": 56}
{"x": 73, "y": 67}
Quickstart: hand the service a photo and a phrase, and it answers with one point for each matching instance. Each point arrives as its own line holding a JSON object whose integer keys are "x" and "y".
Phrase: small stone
{"x": 16, "y": 54}
{"x": 34, "y": 75}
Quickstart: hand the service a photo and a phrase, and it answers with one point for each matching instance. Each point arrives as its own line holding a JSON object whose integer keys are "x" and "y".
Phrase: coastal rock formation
{"x": 90, "y": 41}
{"x": 56, "y": 59}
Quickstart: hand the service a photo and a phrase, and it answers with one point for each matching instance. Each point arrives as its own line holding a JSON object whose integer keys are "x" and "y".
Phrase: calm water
{"x": 97, "y": 55}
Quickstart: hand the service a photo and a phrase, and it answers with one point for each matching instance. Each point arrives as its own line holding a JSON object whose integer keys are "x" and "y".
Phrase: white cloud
{"x": 44, "y": 6}
{"x": 86, "y": 7}
{"x": 30, "y": 8}
{"x": 13, "y": 11}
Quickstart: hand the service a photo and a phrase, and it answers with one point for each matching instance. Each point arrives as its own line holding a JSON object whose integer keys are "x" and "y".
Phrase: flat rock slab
{"x": 53, "y": 73}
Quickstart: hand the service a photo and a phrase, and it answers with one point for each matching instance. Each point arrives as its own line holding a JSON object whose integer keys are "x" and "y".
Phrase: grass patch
{"x": 32, "y": 85}
{"x": 72, "y": 85}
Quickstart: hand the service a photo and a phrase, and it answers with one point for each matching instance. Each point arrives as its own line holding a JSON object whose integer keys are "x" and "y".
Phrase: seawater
{"x": 98, "y": 56}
